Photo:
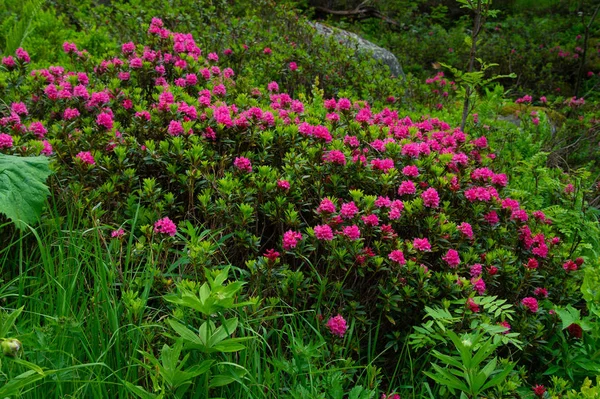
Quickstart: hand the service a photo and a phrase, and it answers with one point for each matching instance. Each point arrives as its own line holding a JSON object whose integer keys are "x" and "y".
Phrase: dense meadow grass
{"x": 210, "y": 201}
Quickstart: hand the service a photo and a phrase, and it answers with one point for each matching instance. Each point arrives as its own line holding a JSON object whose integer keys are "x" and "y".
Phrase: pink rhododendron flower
{"x": 175, "y": 128}
{"x": 476, "y": 270}
{"x": 351, "y": 232}
{"x": 397, "y": 256}
{"x": 293, "y": 66}
{"x": 335, "y": 157}
{"x": 326, "y": 206}
{"x": 6, "y": 140}
{"x": 86, "y": 158}
{"x": 407, "y": 187}
{"x": 532, "y": 264}
{"x": 370, "y": 220}
{"x": 337, "y": 326}
{"x": 452, "y": 258}
{"x": 410, "y": 171}
{"x": 472, "y": 305}
{"x": 165, "y": 226}
{"x": 38, "y": 129}
{"x": 323, "y": 232}
{"x": 243, "y": 164}
{"x": 105, "y": 120}
{"x": 430, "y": 198}
{"x": 290, "y": 239}
{"x": 421, "y": 244}
{"x": 348, "y": 210}
{"x": 283, "y": 184}
{"x": 47, "y": 150}
{"x": 271, "y": 254}
{"x": 478, "y": 285}
{"x": 531, "y": 304}
{"x": 382, "y": 202}
{"x": 466, "y": 229}
{"x": 70, "y": 113}
{"x": 541, "y": 292}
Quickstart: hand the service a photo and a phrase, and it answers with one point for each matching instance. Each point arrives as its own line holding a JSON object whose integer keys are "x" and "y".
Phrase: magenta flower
{"x": 478, "y": 285}
{"x": 397, "y": 256}
{"x": 86, "y": 158}
{"x": 283, "y": 184}
{"x": 452, "y": 258}
{"x": 421, "y": 244}
{"x": 407, "y": 187}
{"x": 290, "y": 239}
{"x": 105, "y": 120}
{"x": 530, "y": 303}
{"x": 175, "y": 128}
{"x": 6, "y": 140}
{"x": 430, "y": 198}
{"x": 476, "y": 270}
{"x": 47, "y": 150}
{"x": 541, "y": 291}
{"x": 472, "y": 305}
{"x": 70, "y": 113}
{"x": 22, "y": 55}
{"x": 323, "y": 232}
{"x": 38, "y": 129}
{"x": 348, "y": 210}
{"x": 410, "y": 171}
{"x": 370, "y": 220}
{"x": 117, "y": 233}
{"x": 243, "y": 164}
{"x": 466, "y": 229}
{"x": 165, "y": 226}
{"x": 352, "y": 232}
{"x": 337, "y": 326}
{"x": 326, "y": 206}
{"x": 293, "y": 66}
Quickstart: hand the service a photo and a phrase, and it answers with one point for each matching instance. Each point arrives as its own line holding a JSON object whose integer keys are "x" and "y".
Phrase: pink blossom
{"x": 293, "y": 66}
{"x": 175, "y": 128}
{"x": 243, "y": 164}
{"x": 531, "y": 304}
{"x": 397, "y": 256}
{"x": 105, "y": 120}
{"x": 452, "y": 258}
{"x": 466, "y": 229}
{"x": 407, "y": 187}
{"x": 70, "y": 113}
{"x": 117, "y": 233}
{"x": 86, "y": 158}
{"x": 271, "y": 254}
{"x": 290, "y": 239}
{"x": 491, "y": 217}
{"x": 370, "y": 220}
{"x": 570, "y": 266}
{"x": 541, "y": 292}
{"x": 472, "y": 305}
{"x": 22, "y": 55}
{"x": 382, "y": 202}
{"x": 323, "y": 232}
{"x": 478, "y": 285}
{"x": 410, "y": 171}
{"x": 352, "y": 232}
{"x": 38, "y": 129}
{"x": 283, "y": 184}
{"x": 9, "y": 62}
{"x": 430, "y": 198}
{"x": 127, "y": 48}
{"x": 335, "y": 157}
{"x": 422, "y": 244}
{"x": 19, "y": 108}
{"x": 343, "y": 104}
{"x": 532, "y": 263}
{"x": 326, "y": 206}
{"x": 47, "y": 150}
{"x": 6, "y": 140}
{"x": 476, "y": 270}
{"x": 273, "y": 87}
{"x": 165, "y": 226}
{"x": 337, "y": 326}
{"x": 348, "y": 210}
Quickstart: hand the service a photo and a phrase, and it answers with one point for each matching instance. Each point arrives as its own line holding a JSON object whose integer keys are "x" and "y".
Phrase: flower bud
{"x": 11, "y": 346}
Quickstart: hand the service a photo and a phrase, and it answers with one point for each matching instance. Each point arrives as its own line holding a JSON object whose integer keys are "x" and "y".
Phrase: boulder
{"x": 361, "y": 46}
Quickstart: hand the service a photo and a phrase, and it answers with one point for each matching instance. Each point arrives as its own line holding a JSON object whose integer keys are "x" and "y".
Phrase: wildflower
{"x": 323, "y": 232}
{"x": 47, "y": 150}
{"x": 430, "y": 198}
{"x": 507, "y": 325}
{"x": 382, "y": 202}
{"x": 105, "y": 120}
{"x": 492, "y": 270}
{"x": 326, "y": 206}
{"x": 472, "y": 305}
{"x": 9, "y": 62}
{"x": 421, "y": 244}
{"x": 175, "y": 128}
{"x": 371, "y": 220}
{"x": 407, "y": 187}
{"x": 22, "y": 55}
{"x": 243, "y": 164}
{"x": 86, "y": 158}
{"x": 165, "y": 226}
{"x": 337, "y": 326}
{"x": 541, "y": 292}
{"x": 10, "y": 346}
{"x": 267, "y": 51}
{"x": 6, "y": 140}
{"x": 491, "y": 217}
{"x": 530, "y": 303}
{"x": 466, "y": 229}
{"x": 293, "y": 66}
{"x": 539, "y": 391}
{"x": 570, "y": 266}
{"x": 38, "y": 129}
{"x": 476, "y": 270}
{"x": 532, "y": 264}
{"x": 283, "y": 184}
{"x": 271, "y": 254}
{"x": 19, "y": 108}
{"x": 410, "y": 171}
{"x": 117, "y": 233}
{"x": 335, "y": 157}
{"x": 397, "y": 256}
{"x": 290, "y": 239}
{"x": 348, "y": 210}
{"x": 70, "y": 113}
{"x": 452, "y": 258}
{"x": 478, "y": 285}
{"x": 351, "y": 232}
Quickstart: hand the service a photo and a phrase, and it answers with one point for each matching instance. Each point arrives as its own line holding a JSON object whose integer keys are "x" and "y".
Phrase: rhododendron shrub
{"x": 380, "y": 214}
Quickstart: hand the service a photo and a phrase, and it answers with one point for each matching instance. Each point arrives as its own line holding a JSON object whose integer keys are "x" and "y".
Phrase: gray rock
{"x": 361, "y": 46}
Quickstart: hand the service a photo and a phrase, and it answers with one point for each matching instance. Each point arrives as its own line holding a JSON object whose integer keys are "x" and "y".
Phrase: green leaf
{"x": 9, "y": 322}
{"x": 568, "y": 316}
{"x": 139, "y": 391}
{"x": 23, "y": 190}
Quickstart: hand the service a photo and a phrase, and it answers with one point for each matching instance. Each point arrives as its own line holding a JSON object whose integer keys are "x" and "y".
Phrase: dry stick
{"x": 585, "y": 48}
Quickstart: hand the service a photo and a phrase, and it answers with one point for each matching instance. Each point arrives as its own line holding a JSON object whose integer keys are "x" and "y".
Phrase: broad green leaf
{"x": 23, "y": 189}
{"x": 139, "y": 391}
{"x": 568, "y": 316}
